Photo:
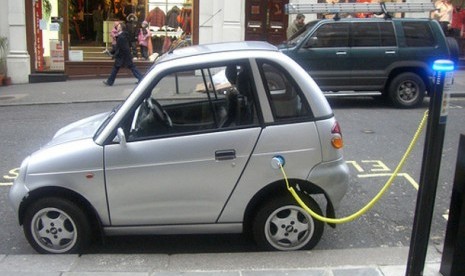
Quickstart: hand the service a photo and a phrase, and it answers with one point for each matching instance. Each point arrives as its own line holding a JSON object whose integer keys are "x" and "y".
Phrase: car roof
{"x": 223, "y": 47}
{"x": 371, "y": 19}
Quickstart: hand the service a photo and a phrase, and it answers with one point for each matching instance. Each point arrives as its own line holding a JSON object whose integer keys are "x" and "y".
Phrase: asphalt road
{"x": 375, "y": 137}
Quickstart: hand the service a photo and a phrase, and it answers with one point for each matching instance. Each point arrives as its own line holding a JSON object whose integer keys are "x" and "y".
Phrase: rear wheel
{"x": 56, "y": 225}
{"x": 281, "y": 224}
{"x": 454, "y": 49}
{"x": 407, "y": 90}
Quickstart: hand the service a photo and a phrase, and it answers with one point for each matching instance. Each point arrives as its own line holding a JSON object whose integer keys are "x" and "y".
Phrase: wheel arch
{"x": 60, "y": 192}
{"x": 419, "y": 70}
{"x": 279, "y": 188}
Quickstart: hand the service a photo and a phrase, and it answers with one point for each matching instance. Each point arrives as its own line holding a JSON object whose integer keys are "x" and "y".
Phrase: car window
{"x": 301, "y": 33}
{"x": 196, "y": 100}
{"x": 286, "y": 100}
{"x": 418, "y": 34}
{"x": 388, "y": 35}
{"x": 374, "y": 34}
{"x": 329, "y": 35}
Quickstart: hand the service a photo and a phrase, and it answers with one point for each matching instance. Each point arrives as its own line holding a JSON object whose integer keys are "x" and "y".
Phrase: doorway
{"x": 265, "y": 20}
{"x": 47, "y": 33}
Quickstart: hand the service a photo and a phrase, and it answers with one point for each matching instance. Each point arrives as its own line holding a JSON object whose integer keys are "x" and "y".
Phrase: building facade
{"x": 61, "y": 39}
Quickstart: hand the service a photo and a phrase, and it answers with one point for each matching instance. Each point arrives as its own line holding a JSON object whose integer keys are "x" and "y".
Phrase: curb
{"x": 362, "y": 261}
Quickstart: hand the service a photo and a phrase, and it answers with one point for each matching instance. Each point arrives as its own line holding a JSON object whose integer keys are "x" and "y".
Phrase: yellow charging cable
{"x": 375, "y": 199}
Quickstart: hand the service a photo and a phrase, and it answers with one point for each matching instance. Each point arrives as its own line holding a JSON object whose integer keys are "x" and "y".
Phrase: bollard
{"x": 453, "y": 255}
{"x": 434, "y": 140}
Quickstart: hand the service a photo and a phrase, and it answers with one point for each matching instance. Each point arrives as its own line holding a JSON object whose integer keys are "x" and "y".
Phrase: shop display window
{"x": 91, "y": 23}
{"x": 48, "y": 42}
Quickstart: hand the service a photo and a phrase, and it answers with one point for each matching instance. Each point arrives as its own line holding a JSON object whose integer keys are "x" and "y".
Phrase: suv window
{"x": 330, "y": 35}
{"x": 375, "y": 34}
{"x": 418, "y": 34}
{"x": 285, "y": 98}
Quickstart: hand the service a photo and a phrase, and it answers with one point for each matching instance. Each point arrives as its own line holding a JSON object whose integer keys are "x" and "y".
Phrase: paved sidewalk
{"x": 74, "y": 91}
{"x": 77, "y": 91}
{"x": 367, "y": 262}
{"x": 347, "y": 262}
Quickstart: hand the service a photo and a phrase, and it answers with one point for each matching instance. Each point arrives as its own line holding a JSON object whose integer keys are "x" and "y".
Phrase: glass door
{"x": 266, "y": 20}
{"x": 48, "y": 40}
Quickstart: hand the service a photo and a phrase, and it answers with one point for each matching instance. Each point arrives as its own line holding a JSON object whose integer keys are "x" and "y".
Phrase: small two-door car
{"x": 188, "y": 152}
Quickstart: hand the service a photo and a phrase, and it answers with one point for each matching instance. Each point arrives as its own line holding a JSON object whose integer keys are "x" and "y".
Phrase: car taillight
{"x": 336, "y": 139}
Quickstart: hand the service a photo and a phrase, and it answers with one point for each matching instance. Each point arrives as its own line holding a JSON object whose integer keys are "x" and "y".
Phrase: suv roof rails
{"x": 378, "y": 8}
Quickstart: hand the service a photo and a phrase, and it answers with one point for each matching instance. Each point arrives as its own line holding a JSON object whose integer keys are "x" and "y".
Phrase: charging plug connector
{"x": 277, "y": 162}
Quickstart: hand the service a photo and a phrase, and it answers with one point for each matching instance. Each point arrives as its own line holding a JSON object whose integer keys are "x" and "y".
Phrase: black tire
{"x": 407, "y": 90}
{"x": 56, "y": 226}
{"x": 454, "y": 49}
{"x": 298, "y": 229}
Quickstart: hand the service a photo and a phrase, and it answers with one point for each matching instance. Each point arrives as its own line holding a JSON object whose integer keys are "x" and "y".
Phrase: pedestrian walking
{"x": 123, "y": 56}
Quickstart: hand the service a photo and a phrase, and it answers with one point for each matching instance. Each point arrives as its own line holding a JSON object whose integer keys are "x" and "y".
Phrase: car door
{"x": 183, "y": 176}
{"x": 325, "y": 54}
{"x": 374, "y": 51}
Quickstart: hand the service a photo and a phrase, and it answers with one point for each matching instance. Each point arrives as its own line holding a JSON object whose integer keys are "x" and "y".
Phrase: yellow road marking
{"x": 405, "y": 175}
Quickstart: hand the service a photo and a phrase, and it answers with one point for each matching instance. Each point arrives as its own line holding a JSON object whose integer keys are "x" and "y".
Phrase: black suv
{"x": 393, "y": 56}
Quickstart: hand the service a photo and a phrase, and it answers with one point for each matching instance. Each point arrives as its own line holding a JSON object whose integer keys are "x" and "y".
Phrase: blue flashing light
{"x": 443, "y": 65}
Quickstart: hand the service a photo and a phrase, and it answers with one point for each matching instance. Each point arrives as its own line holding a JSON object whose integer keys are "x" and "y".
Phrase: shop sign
{"x": 39, "y": 50}
{"x": 54, "y": 27}
{"x": 57, "y": 57}
{"x": 76, "y": 55}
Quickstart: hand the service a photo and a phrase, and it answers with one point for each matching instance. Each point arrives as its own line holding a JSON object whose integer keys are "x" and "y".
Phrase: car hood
{"x": 282, "y": 46}
{"x": 81, "y": 129}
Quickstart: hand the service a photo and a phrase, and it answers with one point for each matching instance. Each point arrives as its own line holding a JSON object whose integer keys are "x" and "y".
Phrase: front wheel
{"x": 281, "y": 224}
{"x": 55, "y": 225}
{"x": 407, "y": 90}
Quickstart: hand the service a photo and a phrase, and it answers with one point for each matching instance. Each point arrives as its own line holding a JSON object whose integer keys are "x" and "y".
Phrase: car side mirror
{"x": 311, "y": 42}
{"x": 121, "y": 137}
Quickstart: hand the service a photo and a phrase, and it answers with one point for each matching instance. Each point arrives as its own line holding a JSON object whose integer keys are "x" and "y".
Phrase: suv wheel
{"x": 281, "y": 224}
{"x": 55, "y": 225}
{"x": 454, "y": 49}
{"x": 407, "y": 90}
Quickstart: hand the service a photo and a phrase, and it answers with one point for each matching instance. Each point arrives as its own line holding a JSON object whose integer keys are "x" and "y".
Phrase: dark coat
{"x": 123, "y": 56}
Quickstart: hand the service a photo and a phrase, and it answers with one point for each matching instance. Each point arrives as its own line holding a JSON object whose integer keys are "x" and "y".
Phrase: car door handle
{"x": 341, "y": 53}
{"x": 221, "y": 155}
{"x": 390, "y": 52}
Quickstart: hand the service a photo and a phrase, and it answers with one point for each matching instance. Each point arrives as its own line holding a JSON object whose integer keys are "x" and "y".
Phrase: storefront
{"x": 67, "y": 39}
{"x": 71, "y": 38}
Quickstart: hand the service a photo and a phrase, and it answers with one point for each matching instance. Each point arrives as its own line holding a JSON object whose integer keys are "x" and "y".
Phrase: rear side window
{"x": 418, "y": 34}
{"x": 285, "y": 97}
{"x": 375, "y": 34}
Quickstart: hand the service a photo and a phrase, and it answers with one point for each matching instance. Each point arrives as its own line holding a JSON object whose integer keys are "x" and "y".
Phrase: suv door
{"x": 373, "y": 51}
{"x": 326, "y": 55}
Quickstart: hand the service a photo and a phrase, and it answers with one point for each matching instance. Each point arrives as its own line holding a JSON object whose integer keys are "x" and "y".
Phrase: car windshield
{"x": 301, "y": 34}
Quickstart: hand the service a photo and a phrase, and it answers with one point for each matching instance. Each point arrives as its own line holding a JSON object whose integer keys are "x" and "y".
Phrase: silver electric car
{"x": 191, "y": 150}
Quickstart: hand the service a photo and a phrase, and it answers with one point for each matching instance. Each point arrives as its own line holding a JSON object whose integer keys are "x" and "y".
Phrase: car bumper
{"x": 18, "y": 192}
{"x": 333, "y": 178}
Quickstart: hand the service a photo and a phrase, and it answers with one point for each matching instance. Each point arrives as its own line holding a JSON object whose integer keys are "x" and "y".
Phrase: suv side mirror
{"x": 311, "y": 42}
